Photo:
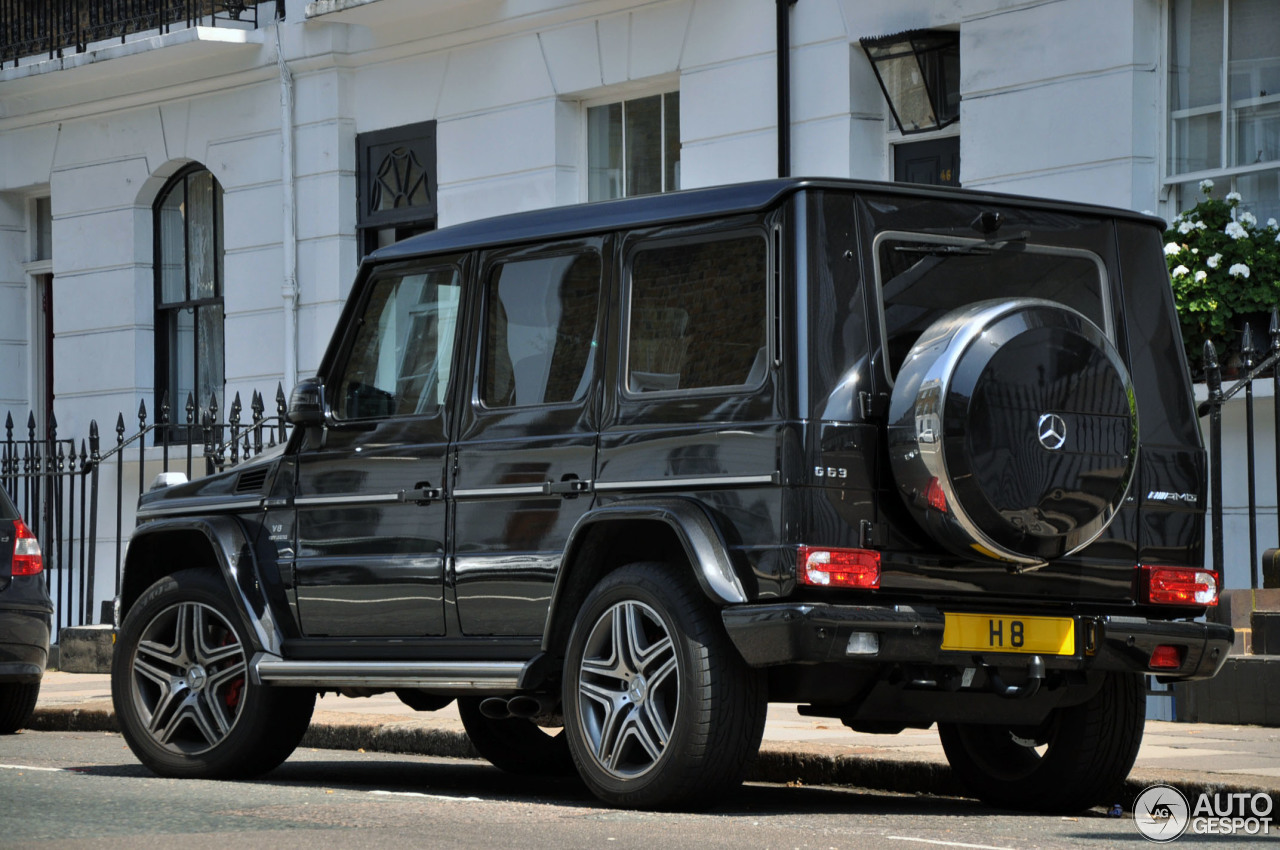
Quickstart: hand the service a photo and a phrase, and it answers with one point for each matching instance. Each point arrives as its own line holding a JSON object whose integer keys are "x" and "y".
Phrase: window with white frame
{"x": 1224, "y": 101}
{"x": 633, "y": 147}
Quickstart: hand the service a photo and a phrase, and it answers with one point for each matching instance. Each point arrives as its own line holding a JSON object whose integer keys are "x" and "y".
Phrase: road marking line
{"x": 29, "y": 767}
{"x": 945, "y": 843}
{"x": 446, "y": 798}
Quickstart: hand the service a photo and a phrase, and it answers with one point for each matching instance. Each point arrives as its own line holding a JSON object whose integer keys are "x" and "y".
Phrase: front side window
{"x": 540, "y": 330}
{"x": 633, "y": 147}
{"x": 189, "y": 308}
{"x": 698, "y": 315}
{"x": 400, "y": 360}
{"x": 1224, "y": 101}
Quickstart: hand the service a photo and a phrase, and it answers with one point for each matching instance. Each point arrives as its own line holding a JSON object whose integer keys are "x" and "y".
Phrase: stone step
{"x": 1245, "y": 691}
{"x": 85, "y": 649}
{"x": 1265, "y": 626}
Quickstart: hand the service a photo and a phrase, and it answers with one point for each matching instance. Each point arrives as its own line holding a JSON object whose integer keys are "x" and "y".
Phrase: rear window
{"x": 923, "y": 276}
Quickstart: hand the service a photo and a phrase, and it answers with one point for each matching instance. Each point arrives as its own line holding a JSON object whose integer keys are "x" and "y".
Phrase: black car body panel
{"x": 26, "y": 611}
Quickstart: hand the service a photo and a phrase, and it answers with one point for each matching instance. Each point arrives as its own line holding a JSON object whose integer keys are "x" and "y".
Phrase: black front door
{"x": 372, "y": 513}
{"x": 934, "y": 162}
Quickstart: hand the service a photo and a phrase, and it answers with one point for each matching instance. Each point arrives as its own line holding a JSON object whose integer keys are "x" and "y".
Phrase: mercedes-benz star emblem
{"x": 1052, "y": 430}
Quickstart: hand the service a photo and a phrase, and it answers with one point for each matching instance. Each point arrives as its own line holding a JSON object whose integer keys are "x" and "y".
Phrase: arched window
{"x": 188, "y": 296}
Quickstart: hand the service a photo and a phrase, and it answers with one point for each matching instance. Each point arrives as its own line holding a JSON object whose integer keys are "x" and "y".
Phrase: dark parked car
{"x": 632, "y": 470}
{"x": 26, "y": 614}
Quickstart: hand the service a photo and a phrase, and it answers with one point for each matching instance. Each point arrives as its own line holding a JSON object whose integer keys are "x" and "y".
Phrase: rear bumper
{"x": 26, "y": 616}
{"x": 814, "y": 633}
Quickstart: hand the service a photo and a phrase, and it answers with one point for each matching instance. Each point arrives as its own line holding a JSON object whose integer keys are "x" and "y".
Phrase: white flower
{"x": 1233, "y": 197}
{"x": 1213, "y": 261}
{"x": 1195, "y": 250}
{"x": 1235, "y": 231}
{"x": 1200, "y": 225}
{"x": 1206, "y": 185}
{"x": 1239, "y": 270}
{"x": 1202, "y": 276}
{"x": 1248, "y": 219}
{"x": 1172, "y": 248}
{"x": 1271, "y": 222}
{"x": 1181, "y": 271}
{"x": 1186, "y": 227}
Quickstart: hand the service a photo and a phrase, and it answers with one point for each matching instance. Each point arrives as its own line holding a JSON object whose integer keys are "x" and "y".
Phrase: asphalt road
{"x": 65, "y": 789}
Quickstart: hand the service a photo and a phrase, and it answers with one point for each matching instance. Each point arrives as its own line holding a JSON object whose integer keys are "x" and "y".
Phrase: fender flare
{"x": 238, "y": 565}
{"x": 699, "y": 536}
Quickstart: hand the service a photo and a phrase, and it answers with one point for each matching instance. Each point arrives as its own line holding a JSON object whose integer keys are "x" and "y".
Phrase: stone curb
{"x": 774, "y": 764}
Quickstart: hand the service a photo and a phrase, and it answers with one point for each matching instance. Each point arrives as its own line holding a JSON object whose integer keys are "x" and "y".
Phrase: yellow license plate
{"x": 1003, "y": 633}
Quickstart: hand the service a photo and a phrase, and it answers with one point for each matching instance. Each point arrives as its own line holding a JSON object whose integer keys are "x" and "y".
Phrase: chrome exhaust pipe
{"x": 528, "y": 706}
{"x": 495, "y": 708}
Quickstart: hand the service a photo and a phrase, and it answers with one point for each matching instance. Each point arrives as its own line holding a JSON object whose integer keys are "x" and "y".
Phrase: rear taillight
{"x": 1178, "y": 586}
{"x": 27, "y": 560}
{"x": 839, "y": 567}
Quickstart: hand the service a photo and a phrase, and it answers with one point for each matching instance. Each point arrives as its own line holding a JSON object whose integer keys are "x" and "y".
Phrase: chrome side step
{"x": 444, "y": 676}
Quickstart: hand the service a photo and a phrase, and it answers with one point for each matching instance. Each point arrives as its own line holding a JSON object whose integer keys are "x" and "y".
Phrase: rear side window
{"x": 540, "y": 325}
{"x": 698, "y": 315}
{"x": 7, "y": 510}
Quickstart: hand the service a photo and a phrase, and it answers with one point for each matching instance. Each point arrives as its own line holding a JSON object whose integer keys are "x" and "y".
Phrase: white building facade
{"x": 184, "y": 209}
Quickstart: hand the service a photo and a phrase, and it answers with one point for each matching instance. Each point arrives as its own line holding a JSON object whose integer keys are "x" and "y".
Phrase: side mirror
{"x": 306, "y": 404}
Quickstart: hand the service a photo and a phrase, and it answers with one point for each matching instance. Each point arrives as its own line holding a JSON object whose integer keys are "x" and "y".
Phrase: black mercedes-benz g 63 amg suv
{"x": 614, "y": 476}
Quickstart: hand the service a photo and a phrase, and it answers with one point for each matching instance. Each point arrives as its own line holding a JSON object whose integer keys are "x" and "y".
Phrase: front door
{"x": 371, "y": 486}
{"x": 527, "y": 440}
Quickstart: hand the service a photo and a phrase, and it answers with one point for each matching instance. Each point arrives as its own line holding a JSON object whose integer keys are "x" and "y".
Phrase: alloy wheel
{"x": 629, "y": 688}
{"x": 188, "y": 674}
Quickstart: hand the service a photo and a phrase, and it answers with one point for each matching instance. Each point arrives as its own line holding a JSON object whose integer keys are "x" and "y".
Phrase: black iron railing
{"x": 57, "y": 489}
{"x": 1252, "y": 367}
{"x": 53, "y": 27}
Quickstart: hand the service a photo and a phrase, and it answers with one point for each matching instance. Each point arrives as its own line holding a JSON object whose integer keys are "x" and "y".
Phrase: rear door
{"x": 527, "y": 435}
{"x": 370, "y": 496}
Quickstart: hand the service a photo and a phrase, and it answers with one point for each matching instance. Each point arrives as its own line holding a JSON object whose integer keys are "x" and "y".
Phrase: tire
{"x": 1013, "y": 431}
{"x": 1078, "y": 758}
{"x": 515, "y": 744}
{"x": 673, "y": 719}
{"x": 17, "y": 704}
{"x": 180, "y": 686}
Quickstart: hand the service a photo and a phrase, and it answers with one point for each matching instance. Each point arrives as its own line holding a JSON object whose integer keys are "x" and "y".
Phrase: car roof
{"x": 672, "y": 207}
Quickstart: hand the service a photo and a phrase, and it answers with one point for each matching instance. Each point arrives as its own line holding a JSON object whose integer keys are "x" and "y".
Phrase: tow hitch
{"x": 1035, "y": 675}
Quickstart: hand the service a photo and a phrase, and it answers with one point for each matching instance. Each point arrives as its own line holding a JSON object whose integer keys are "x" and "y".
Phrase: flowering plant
{"x": 1222, "y": 264}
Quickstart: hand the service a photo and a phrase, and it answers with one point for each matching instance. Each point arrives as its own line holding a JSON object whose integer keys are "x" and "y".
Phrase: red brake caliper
{"x": 235, "y": 686}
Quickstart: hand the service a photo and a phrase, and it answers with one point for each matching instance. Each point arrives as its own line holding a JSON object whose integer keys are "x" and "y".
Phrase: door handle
{"x": 570, "y": 486}
{"x": 423, "y": 494}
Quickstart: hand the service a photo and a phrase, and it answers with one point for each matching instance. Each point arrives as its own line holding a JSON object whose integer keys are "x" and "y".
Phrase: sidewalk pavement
{"x": 1194, "y": 757}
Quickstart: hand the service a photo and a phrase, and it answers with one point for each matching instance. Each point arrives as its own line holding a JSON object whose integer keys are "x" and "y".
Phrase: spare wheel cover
{"x": 1013, "y": 431}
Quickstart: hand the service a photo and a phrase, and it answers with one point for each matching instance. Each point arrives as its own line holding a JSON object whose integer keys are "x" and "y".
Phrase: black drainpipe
{"x": 784, "y": 87}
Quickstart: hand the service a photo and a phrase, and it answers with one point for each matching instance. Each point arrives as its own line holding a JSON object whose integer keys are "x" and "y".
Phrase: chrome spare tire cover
{"x": 1013, "y": 431}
